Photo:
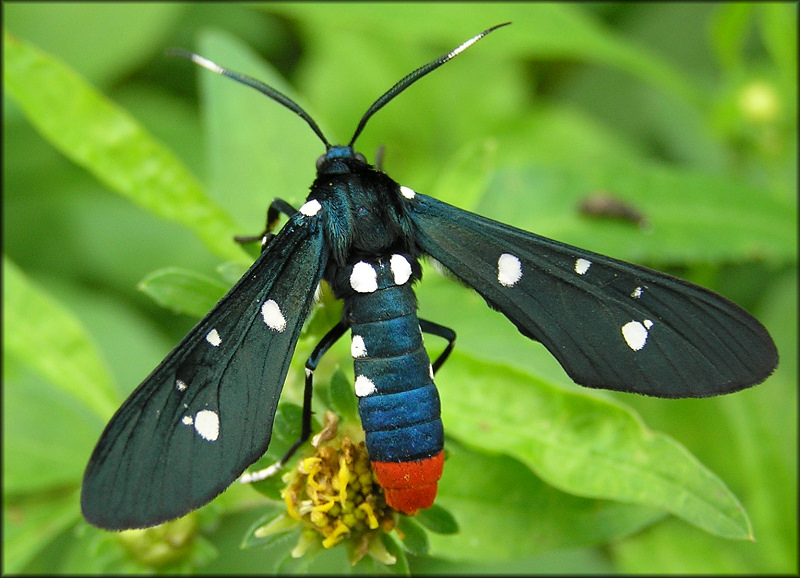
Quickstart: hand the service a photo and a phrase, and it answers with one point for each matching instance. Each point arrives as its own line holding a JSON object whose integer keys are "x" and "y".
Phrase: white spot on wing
{"x": 357, "y": 347}
{"x": 636, "y": 333}
{"x": 582, "y": 266}
{"x": 401, "y": 269}
{"x": 364, "y": 278}
{"x": 637, "y": 293}
{"x": 187, "y": 420}
{"x": 364, "y": 386}
{"x": 213, "y": 338}
{"x": 180, "y": 385}
{"x": 272, "y": 315}
{"x": 206, "y": 424}
{"x": 311, "y": 208}
{"x": 407, "y": 193}
{"x": 509, "y": 270}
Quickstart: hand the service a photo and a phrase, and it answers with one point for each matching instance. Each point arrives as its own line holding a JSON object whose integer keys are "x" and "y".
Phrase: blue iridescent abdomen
{"x": 397, "y": 399}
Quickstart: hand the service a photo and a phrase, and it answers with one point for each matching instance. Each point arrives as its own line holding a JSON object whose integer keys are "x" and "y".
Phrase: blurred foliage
{"x": 687, "y": 112}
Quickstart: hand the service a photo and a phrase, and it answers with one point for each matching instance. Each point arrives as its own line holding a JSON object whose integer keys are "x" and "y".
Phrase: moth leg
{"x": 305, "y": 431}
{"x": 277, "y": 207}
{"x": 444, "y": 333}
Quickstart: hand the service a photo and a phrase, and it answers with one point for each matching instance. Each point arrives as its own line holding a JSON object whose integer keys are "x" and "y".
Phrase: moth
{"x": 205, "y": 414}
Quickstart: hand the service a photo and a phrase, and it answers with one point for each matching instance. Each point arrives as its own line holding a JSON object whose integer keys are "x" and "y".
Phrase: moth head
{"x": 340, "y": 159}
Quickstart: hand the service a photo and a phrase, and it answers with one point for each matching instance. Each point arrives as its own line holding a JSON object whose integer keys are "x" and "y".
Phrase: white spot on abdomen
{"x": 401, "y": 269}
{"x": 509, "y": 270}
{"x": 364, "y": 278}
{"x": 357, "y": 347}
{"x": 364, "y": 386}
{"x": 213, "y": 338}
{"x": 311, "y": 208}
{"x": 636, "y": 333}
{"x": 272, "y": 316}
{"x": 407, "y": 193}
{"x": 582, "y": 266}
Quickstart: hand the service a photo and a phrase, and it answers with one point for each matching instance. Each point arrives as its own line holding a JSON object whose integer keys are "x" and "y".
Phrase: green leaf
{"x": 728, "y": 30}
{"x": 542, "y": 31}
{"x": 414, "y": 537}
{"x": 257, "y": 149}
{"x": 231, "y": 271}
{"x": 438, "y": 520}
{"x": 467, "y": 175}
{"x": 692, "y": 217}
{"x": 104, "y": 139}
{"x": 342, "y": 398}
{"x": 98, "y": 22}
{"x": 36, "y": 416}
{"x": 271, "y": 526}
{"x": 584, "y": 445}
{"x": 505, "y": 512}
{"x": 45, "y": 335}
{"x": 779, "y": 34}
{"x": 30, "y": 524}
{"x": 183, "y": 291}
{"x": 286, "y": 427}
{"x": 752, "y": 443}
{"x": 392, "y": 544}
{"x": 285, "y": 431}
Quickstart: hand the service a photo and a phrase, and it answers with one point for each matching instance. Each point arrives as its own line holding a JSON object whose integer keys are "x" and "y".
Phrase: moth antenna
{"x": 252, "y": 83}
{"x": 411, "y": 78}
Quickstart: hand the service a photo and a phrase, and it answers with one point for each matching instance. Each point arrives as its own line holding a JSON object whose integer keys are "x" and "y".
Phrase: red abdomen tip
{"x": 410, "y": 486}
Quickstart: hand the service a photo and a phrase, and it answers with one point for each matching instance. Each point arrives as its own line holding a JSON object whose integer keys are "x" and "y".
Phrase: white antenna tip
{"x": 207, "y": 64}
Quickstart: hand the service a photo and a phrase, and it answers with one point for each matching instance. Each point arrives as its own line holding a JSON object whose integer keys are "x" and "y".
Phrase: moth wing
{"x": 206, "y": 412}
{"x": 610, "y": 324}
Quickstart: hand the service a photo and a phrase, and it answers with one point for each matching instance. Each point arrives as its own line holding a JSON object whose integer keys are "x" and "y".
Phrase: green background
{"x": 685, "y": 111}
